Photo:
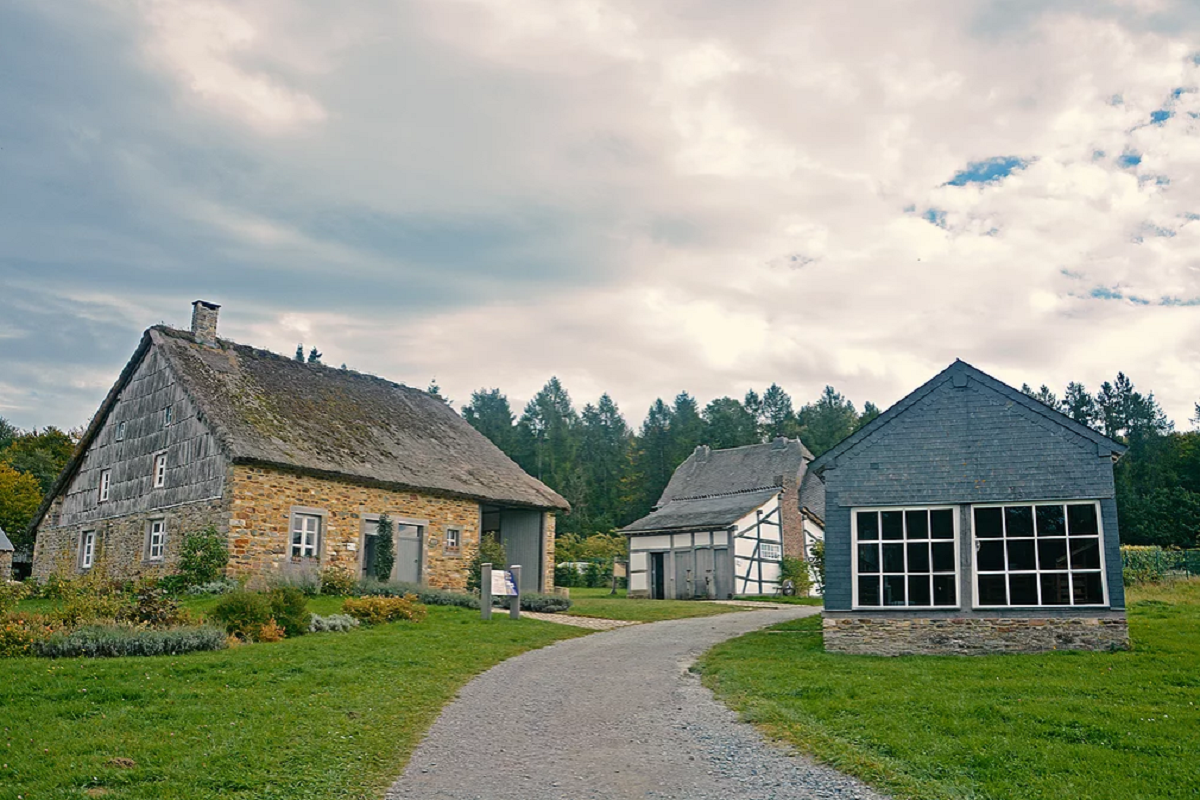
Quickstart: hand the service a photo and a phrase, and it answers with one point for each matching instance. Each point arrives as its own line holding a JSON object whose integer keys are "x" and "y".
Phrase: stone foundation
{"x": 6, "y": 560}
{"x": 895, "y": 636}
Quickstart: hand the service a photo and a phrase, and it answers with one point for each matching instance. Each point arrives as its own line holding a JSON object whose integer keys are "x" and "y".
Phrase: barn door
{"x": 723, "y": 573}
{"x": 408, "y": 554}
{"x": 521, "y": 535}
{"x": 705, "y": 578}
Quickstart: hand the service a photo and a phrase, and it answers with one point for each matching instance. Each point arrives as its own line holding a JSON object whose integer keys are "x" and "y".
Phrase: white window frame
{"x": 156, "y": 540}
{"x": 300, "y": 524}
{"x": 160, "y": 470}
{"x": 454, "y": 539}
{"x": 955, "y": 513}
{"x": 168, "y": 415}
{"x": 87, "y": 549}
{"x": 105, "y": 485}
{"x": 1103, "y": 569}
{"x": 120, "y": 432}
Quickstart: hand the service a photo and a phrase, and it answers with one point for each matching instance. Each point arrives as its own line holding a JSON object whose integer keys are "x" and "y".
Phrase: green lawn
{"x": 599, "y": 603}
{"x": 782, "y": 598}
{"x": 1060, "y": 725}
{"x": 319, "y": 716}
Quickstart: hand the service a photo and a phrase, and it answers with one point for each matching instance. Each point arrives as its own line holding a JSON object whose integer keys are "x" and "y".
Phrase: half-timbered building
{"x": 724, "y": 523}
{"x": 293, "y": 462}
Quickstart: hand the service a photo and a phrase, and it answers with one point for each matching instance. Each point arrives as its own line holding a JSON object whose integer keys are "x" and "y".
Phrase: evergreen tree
{"x": 546, "y": 435}
{"x": 605, "y": 441}
{"x": 827, "y": 421}
{"x": 776, "y": 415}
{"x": 490, "y": 414}
{"x": 314, "y": 357}
{"x": 652, "y": 460}
{"x": 870, "y": 411}
{"x": 43, "y": 454}
{"x": 686, "y": 428}
{"x": 1042, "y": 395}
{"x": 299, "y": 353}
{"x": 728, "y": 424}
{"x": 385, "y": 548}
{"x": 1078, "y": 404}
{"x": 8, "y": 432}
{"x": 754, "y": 407}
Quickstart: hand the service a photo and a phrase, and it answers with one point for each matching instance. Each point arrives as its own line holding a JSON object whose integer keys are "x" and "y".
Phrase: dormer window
{"x": 121, "y": 431}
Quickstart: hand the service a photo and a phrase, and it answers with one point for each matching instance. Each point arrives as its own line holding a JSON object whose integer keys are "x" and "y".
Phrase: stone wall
{"x": 901, "y": 636}
{"x": 121, "y": 541}
{"x": 260, "y": 524}
{"x": 6, "y": 557}
{"x": 550, "y": 520}
{"x": 791, "y": 520}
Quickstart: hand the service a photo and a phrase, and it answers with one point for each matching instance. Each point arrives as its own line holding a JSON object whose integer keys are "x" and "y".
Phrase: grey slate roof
{"x": 704, "y": 513}
{"x": 271, "y": 410}
{"x": 5, "y": 544}
{"x": 738, "y": 469}
{"x": 812, "y": 494}
{"x": 956, "y": 371}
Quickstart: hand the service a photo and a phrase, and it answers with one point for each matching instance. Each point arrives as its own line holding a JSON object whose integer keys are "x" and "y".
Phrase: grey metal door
{"x": 685, "y": 574}
{"x": 723, "y": 573}
{"x": 408, "y": 554}
{"x": 705, "y": 579}
{"x": 521, "y": 535}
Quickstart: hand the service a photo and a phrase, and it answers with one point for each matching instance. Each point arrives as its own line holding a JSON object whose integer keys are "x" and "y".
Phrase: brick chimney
{"x": 204, "y": 322}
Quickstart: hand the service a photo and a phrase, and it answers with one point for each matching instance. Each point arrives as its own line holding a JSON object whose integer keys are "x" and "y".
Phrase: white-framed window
{"x": 1039, "y": 554}
{"x": 105, "y": 484}
{"x": 120, "y": 431}
{"x": 306, "y": 535}
{"x": 156, "y": 540}
{"x": 905, "y": 557}
{"x": 168, "y": 415}
{"x": 453, "y": 538}
{"x": 770, "y": 551}
{"x": 160, "y": 470}
{"x": 87, "y": 549}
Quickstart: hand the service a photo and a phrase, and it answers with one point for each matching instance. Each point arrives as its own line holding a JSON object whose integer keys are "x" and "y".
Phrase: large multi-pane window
{"x": 1039, "y": 554}
{"x": 905, "y": 557}
{"x": 156, "y": 540}
{"x": 306, "y": 535}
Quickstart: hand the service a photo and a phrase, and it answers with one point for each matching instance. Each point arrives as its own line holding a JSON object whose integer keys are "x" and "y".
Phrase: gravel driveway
{"x": 611, "y": 715}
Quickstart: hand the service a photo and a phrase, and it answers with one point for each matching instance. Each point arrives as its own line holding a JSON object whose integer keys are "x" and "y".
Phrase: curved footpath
{"x": 611, "y": 716}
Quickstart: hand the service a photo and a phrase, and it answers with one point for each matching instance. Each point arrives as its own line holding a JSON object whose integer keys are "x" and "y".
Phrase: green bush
{"x": 378, "y": 609}
{"x": 223, "y": 586}
{"x": 545, "y": 603}
{"x": 1151, "y": 564}
{"x": 19, "y": 632}
{"x": 154, "y": 606}
{"x": 10, "y": 595}
{"x": 338, "y": 581}
{"x": 796, "y": 570}
{"x": 385, "y": 548}
{"x": 490, "y": 551}
{"x": 203, "y": 556}
{"x": 369, "y": 587}
{"x": 816, "y": 562}
{"x": 289, "y": 608}
{"x": 243, "y": 613}
{"x": 334, "y": 623}
{"x": 566, "y": 575}
{"x": 115, "y": 641}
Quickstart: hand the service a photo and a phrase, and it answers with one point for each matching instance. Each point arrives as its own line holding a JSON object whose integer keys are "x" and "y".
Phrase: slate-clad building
{"x": 724, "y": 522}
{"x": 293, "y": 462}
{"x": 970, "y": 518}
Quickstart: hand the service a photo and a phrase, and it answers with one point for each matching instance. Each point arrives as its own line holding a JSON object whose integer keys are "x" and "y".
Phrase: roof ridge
{"x": 734, "y": 493}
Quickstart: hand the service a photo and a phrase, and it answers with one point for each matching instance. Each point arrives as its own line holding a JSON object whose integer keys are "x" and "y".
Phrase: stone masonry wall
{"x": 6, "y": 565}
{"x": 550, "y": 520}
{"x": 790, "y": 518}
{"x": 260, "y": 523}
{"x": 121, "y": 541}
{"x": 972, "y": 636}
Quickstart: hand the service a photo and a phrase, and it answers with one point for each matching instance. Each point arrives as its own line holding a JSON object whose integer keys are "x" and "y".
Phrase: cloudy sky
{"x": 639, "y": 196}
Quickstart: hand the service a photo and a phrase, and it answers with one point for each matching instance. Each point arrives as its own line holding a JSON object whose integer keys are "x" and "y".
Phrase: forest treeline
{"x": 613, "y": 474}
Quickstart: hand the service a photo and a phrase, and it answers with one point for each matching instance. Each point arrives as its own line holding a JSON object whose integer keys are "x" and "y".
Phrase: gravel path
{"x": 611, "y": 716}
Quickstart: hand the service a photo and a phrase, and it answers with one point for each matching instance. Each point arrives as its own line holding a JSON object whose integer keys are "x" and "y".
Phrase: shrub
{"x": 243, "y": 613}
{"x": 83, "y": 605}
{"x": 816, "y": 562}
{"x": 154, "y": 606}
{"x": 114, "y": 641}
{"x": 1151, "y": 564}
{"x": 289, "y": 608}
{"x": 796, "y": 570}
{"x": 334, "y": 623}
{"x": 544, "y": 603}
{"x": 271, "y": 632}
{"x": 10, "y": 595}
{"x": 376, "y": 610}
{"x": 337, "y": 581}
{"x": 203, "y": 556}
{"x": 429, "y": 596}
{"x": 385, "y": 549}
{"x": 489, "y": 551}
{"x": 19, "y": 632}
{"x": 566, "y": 575}
{"x": 306, "y": 580}
{"x": 223, "y": 586}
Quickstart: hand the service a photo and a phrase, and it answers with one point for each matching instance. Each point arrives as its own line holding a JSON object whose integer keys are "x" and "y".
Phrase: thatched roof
{"x": 273, "y": 410}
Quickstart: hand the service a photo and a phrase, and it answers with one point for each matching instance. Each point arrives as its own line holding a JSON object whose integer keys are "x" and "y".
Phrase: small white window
{"x": 168, "y": 415}
{"x": 120, "y": 431}
{"x": 160, "y": 470}
{"x": 105, "y": 484}
{"x": 306, "y": 535}
{"x": 156, "y": 541}
{"x": 453, "y": 538}
{"x": 87, "y": 549}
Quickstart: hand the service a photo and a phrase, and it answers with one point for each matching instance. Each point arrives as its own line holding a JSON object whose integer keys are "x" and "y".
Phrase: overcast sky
{"x": 639, "y": 197}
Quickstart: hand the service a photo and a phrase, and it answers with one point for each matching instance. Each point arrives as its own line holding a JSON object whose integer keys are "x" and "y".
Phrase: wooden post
{"x": 614, "y": 574}
{"x": 485, "y": 592}
{"x": 514, "y": 608}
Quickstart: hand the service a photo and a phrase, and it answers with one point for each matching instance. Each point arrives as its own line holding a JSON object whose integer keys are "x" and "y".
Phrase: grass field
{"x": 319, "y": 716}
{"x": 780, "y": 598}
{"x": 1059, "y": 725}
{"x": 599, "y": 603}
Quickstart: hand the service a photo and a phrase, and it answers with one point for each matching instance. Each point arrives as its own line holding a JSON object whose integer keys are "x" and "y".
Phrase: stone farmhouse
{"x": 724, "y": 522}
{"x": 970, "y": 518}
{"x": 293, "y": 462}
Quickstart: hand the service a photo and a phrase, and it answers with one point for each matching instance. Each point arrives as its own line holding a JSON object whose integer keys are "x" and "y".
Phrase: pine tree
{"x": 728, "y": 424}
{"x": 652, "y": 459}
{"x": 1078, "y": 404}
{"x": 686, "y": 428}
{"x": 827, "y": 421}
{"x": 605, "y": 441}
{"x": 777, "y": 416}
{"x": 870, "y": 411}
{"x": 546, "y": 436}
{"x": 490, "y": 414}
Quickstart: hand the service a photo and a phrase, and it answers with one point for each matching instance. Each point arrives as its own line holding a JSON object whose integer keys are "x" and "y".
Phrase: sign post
{"x": 514, "y": 597}
{"x": 485, "y": 592}
{"x": 499, "y": 583}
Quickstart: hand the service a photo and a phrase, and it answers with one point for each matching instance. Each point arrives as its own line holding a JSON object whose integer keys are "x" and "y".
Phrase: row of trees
{"x": 30, "y": 461}
{"x": 1158, "y": 479}
{"x": 612, "y": 474}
